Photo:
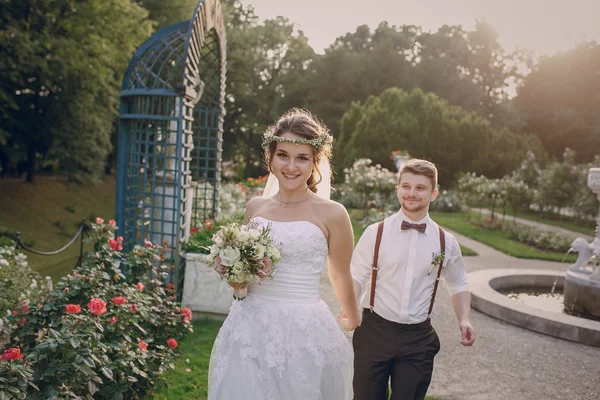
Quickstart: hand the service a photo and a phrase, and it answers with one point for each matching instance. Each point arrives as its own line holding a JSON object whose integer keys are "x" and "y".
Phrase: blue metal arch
{"x": 170, "y": 132}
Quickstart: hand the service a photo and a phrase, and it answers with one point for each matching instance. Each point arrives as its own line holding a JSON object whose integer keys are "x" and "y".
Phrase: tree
{"x": 560, "y": 101}
{"x": 358, "y": 65}
{"x": 166, "y": 13}
{"x": 428, "y": 127}
{"x": 469, "y": 69}
{"x": 61, "y": 65}
{"x": 268, "y": 65}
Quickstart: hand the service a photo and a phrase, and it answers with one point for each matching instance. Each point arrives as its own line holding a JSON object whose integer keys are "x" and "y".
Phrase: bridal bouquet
{"x": 243, "y": 254}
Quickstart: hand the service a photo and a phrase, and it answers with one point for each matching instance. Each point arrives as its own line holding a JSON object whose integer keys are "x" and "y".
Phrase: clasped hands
{"x": 349, "y": 324}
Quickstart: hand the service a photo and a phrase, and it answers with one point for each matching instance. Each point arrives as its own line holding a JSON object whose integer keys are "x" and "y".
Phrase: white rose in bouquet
{"x": 218, "y": 239}
{"x": 229, "y": 255}
{"x": 254, "y": 233}
{"x": 274, "y": 253}
{"x": 259, "y": 250}
{"x": 243, "y": 235}
{"x": 238, "y": 268}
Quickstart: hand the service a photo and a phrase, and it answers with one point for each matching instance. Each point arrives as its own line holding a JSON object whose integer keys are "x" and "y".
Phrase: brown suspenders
{"x": 375, "y": 267}
{"x": 375, "y": 259}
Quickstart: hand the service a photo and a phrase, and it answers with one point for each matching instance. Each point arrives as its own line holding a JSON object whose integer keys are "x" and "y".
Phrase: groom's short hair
{"x": 420, "y": 167}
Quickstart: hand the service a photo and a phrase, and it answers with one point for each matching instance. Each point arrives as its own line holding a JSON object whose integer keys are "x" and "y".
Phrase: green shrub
{"x": 447, "y": 201}
{"x": 20, "y": 286}
{"x": 102, "y": 333}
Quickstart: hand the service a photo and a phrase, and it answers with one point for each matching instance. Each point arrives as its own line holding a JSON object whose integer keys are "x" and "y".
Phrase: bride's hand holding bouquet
{"x": 243, "y": 254}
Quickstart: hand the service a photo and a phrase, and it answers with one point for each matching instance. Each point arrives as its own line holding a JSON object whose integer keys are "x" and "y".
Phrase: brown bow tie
{"x": 418, "y": 227}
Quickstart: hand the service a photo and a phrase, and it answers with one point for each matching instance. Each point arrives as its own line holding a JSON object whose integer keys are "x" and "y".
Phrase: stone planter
{"x": 204, "y": 292}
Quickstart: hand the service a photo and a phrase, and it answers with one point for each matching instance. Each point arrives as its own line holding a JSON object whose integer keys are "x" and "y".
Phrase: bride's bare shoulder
{"x": 331, "y": 209}
{"x": 256, "y": 203}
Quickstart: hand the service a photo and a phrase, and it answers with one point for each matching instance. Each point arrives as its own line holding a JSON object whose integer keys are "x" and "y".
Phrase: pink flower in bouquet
{"x": 140, "y": 286}
{"x": 172, "y": 343}
{"x": 266, "y": 267}
{"x": 113, "y": 320}
{"x": 12, "y": 354}
{"x": 97, "y": 306}
{"x": 133, "y": 308}
{"x": 219, "y": 267}
{"x": 99, "y": 221}
{"x": 112, "y": 223}
{"x": 147, "y": 243}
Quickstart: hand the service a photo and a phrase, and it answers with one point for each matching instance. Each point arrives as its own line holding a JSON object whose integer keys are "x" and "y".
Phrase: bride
{"x": 282, "y": 342}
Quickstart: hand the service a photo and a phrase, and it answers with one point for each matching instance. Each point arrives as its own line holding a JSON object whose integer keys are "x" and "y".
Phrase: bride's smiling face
{"x": 292, "y": 163}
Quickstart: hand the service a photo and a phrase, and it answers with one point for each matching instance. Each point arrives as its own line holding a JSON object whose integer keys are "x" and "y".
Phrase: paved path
{"x": 506, "y": 362}
{"x": 541, "y": 225}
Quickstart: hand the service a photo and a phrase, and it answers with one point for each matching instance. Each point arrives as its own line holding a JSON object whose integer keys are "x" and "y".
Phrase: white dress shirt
{"x": 406, "y": 276}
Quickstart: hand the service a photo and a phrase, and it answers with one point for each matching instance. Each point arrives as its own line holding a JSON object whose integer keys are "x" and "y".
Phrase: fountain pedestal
{"x": 582, "y": 295}
{"x": 582, "y": 283}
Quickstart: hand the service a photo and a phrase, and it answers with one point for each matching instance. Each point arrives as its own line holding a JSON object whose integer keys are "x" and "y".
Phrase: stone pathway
{"x": 541, "y": 225}
{"x": 506, "y": 362}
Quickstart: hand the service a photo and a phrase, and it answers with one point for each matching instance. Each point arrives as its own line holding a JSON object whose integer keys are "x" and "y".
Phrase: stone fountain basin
{"x": 486, "y": 299}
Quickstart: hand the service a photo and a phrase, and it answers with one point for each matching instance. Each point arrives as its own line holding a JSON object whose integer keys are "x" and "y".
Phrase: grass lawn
{"x": 48, "y": 214}
{"x": 358, "y": 231}
{"x": 189, "y": 379}
{"x": 555, "y": 220}
{"x": 498, "y": 240}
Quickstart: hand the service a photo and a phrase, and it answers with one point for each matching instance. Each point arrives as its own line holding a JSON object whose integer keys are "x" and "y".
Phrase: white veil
{"x": 323, "y": 188}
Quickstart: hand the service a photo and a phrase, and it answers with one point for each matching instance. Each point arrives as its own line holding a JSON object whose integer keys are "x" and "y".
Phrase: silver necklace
{"x": 285, "y": 203}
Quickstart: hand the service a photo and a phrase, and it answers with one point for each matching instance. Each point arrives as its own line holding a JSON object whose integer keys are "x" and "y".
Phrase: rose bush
{"x": 19, "y": 285}
{"x": 104, "y": 332}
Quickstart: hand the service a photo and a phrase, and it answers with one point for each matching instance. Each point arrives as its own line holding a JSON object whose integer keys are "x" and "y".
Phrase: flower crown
{"x": 317, "y": 143}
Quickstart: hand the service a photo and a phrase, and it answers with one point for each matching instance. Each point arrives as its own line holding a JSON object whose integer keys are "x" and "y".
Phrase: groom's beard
{"x": 413, "y": 208}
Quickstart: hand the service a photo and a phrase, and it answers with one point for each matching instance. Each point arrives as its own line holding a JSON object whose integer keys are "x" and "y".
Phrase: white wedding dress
{"x": 282, "y": 342}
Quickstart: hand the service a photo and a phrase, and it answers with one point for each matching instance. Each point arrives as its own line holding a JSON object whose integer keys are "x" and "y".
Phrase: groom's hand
{"x": 346, "y": 323}
{"x": 467, "y": 333}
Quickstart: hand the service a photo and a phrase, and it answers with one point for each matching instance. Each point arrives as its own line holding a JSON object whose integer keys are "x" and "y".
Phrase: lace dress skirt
{"x": 268, "y": 349}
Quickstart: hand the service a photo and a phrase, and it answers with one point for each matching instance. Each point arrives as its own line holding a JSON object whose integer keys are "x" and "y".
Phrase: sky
{"x": 544, "y": 26}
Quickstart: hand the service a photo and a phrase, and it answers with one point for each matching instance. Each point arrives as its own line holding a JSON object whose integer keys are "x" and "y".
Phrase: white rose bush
{"x": 242, "y": 254}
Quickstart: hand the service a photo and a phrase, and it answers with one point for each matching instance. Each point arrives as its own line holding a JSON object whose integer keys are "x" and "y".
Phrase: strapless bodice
{"x": 304, "y": 252}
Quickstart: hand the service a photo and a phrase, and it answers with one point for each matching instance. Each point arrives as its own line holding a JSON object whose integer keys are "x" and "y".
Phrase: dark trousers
{"x": 384, "y": 349}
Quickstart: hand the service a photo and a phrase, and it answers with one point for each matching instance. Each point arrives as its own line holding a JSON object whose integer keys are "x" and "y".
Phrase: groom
{"x": 396, "y": 267}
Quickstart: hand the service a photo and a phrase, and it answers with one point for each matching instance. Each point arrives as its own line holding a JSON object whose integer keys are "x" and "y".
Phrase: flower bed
{"x": 538, "y": 238}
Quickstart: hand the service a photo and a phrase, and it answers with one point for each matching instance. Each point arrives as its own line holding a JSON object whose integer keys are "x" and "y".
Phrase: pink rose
{"x": 172, "y": 343}
{"x": 115, "y": 245}
{"x": 143, "y": 346}
{"x": 73, "y": 308}
{"x": 119, "y": 300}
{"x": 12, "y": 354}
{"x": 97, "y": 306}
{"x": 266, "y": 267}
{"x": 140, "y": 286}
{"x": 112, "y": 223}
{"x": 99, "y": 221}
{"x": 187, "y": 314}
{"x": 220, "y": 268}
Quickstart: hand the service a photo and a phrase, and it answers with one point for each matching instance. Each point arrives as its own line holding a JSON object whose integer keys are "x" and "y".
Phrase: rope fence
{"x": 80, "y": 234}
